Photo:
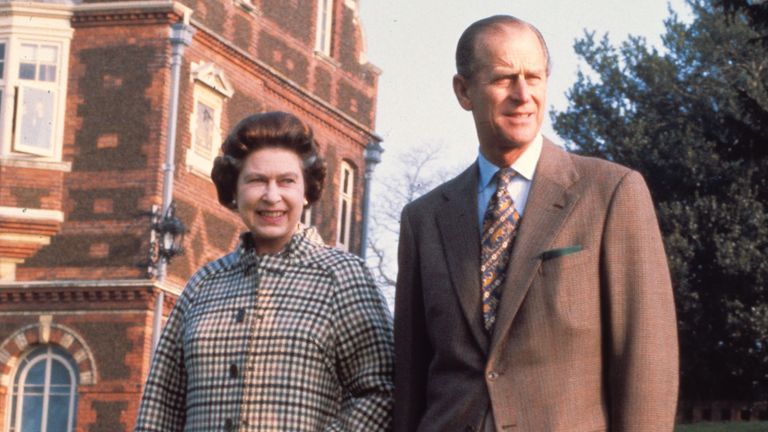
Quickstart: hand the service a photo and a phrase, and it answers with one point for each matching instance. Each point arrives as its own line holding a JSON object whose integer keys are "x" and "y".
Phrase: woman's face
{"x": 270, "y": 197}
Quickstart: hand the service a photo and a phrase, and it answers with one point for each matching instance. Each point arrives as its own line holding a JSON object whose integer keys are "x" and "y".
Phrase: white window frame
{"x": 49, "y": 355}
{"x": 346, "y": 206}
{"x": 44, "y": 24}
{"x": 211, "y": 88}
{"x": 3, "y": 79}
{"x": 324, "y": 33}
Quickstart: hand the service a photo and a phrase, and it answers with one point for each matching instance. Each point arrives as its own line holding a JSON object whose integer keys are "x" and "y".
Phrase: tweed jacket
{"x": 295, "y": 341}
{"x": 585, "y": 336}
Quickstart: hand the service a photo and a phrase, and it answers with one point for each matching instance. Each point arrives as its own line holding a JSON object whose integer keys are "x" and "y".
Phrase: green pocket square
{"x": 554, "y": 253}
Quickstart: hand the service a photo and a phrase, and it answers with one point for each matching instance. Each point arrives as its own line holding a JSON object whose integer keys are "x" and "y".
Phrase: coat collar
{"x": 303, "y": 241}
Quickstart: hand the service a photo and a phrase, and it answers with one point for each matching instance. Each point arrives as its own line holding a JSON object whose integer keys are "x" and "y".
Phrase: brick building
{"x": 86, "y": 90}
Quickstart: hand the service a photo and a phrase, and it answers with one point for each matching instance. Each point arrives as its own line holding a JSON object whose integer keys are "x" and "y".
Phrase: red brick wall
{"x": 114, "y": 137}
{"x": 105, "y": 330}
{"x": 117, "y": 113}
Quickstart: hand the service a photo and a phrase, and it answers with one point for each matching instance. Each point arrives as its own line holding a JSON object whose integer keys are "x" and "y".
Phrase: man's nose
{"x": 519, "y": 90}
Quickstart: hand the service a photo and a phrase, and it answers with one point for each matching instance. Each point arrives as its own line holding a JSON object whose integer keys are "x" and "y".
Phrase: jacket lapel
{"x": 459, "y": 228}
{"x": 549, "y": 204}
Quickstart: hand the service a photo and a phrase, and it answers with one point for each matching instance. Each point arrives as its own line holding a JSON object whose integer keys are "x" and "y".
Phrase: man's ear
{"x": 460, "y": 88}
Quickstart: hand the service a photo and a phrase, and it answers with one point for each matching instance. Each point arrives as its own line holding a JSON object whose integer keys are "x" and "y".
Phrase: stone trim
{"x": 45, "y": 332}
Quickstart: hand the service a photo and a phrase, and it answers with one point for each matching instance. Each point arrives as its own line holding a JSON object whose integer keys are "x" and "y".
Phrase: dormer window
{"x": 211, "y": 89}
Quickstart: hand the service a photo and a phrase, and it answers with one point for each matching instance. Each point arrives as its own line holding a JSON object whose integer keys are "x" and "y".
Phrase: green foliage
{"x": 724, "y": 427}
{"x": 694, "y": 120}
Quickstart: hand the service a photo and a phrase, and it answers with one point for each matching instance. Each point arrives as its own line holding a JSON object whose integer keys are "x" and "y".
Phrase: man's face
{"x": 508, "y": 88}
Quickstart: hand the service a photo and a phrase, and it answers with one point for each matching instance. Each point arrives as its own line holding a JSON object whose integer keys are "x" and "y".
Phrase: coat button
{"x": 228, "y": 424}
{"x": 492, "y": 375}
{"x": 240, "y": 315}
{"x": 233, "y": 371}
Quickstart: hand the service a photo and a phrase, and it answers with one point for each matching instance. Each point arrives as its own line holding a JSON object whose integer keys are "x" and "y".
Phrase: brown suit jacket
{"x": 585, "y": 337}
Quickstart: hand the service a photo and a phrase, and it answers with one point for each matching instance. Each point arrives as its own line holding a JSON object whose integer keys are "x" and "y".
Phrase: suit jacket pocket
{"x": 571, "y": 288}
{"x": 560, "y": 252}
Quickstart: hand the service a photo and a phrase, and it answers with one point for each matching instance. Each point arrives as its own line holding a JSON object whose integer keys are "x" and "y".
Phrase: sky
{"x": 413, "y": 43}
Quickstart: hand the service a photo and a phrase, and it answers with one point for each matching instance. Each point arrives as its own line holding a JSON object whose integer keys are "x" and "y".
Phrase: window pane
{"x": 343, "y": 225}
{"x": 29, "y": 53}
{"x": 204, "y": 129}
{"x": 58, "y": 414}
{"x": 27, "y": 71}
{"x": 36, "y": 118}
{"x": 36, "y": 374}
{"x": 59, "y": 374}
{"x": 32, "y": 414}
{"x": 48, "y": 73}
{"x": 2, "y": 60}
{"x": 47, "y": 54}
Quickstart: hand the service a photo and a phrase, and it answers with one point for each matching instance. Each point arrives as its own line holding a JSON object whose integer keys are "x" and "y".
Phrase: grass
{"x": 723, "y": 427}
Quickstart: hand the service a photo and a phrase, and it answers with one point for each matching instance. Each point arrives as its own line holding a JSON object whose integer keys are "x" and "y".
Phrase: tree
{"x": 694, "y": 121}
{"x": 417, "y": 174}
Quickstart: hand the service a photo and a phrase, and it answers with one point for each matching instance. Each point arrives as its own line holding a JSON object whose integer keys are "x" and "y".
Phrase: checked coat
{"x": 295, "y": 341}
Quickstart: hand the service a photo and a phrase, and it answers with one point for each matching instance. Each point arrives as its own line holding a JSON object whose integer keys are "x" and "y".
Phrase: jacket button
{"x": 228, "y": 425}
{"x": 240, "y": 315}
{"x": 233, "y": 371}
{"x": 492, "y": 375}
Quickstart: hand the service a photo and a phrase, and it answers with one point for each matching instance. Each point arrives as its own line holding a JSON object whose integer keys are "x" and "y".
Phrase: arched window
{"x": 44, "y": 398}
{"x": 346, "y": 208}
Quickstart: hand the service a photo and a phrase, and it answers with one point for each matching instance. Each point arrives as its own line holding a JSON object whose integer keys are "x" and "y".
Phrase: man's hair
{"x": 465, "y": 49}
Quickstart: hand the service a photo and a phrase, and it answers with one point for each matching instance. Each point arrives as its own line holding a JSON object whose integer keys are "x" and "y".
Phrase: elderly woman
{"x": 284, "y": 333}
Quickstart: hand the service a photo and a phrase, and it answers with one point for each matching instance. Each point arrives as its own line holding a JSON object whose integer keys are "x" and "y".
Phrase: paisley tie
{"x": 499, "y": 224}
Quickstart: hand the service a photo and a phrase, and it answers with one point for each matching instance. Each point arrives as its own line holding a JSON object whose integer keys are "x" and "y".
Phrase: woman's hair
{"x": 267, "y": 130}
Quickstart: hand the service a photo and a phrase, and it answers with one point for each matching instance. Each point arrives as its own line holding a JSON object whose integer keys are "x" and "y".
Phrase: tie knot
{"x": 505, "y": 176}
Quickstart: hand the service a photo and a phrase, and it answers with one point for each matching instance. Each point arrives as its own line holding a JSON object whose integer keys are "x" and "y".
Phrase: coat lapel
{"x": 549, "y": 204}
{"x": 459, "y": 228}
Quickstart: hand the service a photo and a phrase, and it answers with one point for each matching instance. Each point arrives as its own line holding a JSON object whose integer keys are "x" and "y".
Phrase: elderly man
{"x": 533, "y": 291}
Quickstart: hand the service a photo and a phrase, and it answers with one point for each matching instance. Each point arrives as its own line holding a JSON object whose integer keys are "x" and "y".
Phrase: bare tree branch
{"x": 417, "y": 175}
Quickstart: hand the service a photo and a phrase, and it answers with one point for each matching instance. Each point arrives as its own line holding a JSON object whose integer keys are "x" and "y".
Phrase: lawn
{"x": 723, "y": 427}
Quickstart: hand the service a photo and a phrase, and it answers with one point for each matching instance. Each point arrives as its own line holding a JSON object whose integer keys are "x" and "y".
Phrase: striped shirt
{"x": 300, "y": 340}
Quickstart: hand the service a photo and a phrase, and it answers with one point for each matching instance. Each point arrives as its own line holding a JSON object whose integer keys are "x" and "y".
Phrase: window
{"x": 36, "y": 99}
{"x": 306, "y": 216}
{"x": 34, "y": 51}
{"x": 2, "y": 61}
{"x": 210, "y": 91}
{"x": 2, "y": 79}
{"x": 346, "y": 209}
{"x": 44, "y": 395}
{"x": 206, "y": 127}
{"x": 324, "y": 26}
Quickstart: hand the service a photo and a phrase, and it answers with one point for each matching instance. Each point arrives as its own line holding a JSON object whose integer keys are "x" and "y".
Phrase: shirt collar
{"x": 525, "y": 165}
